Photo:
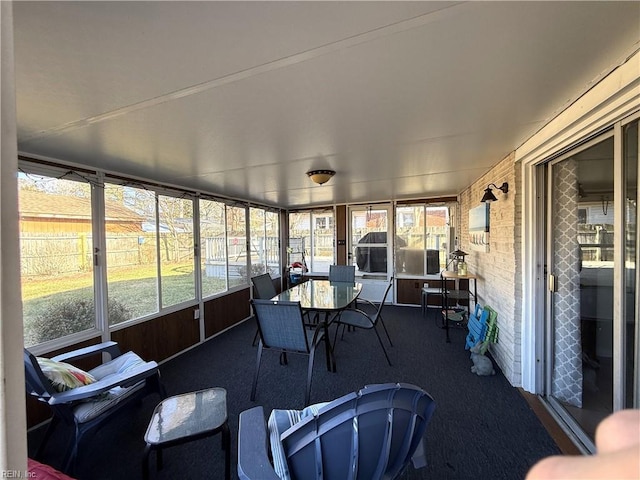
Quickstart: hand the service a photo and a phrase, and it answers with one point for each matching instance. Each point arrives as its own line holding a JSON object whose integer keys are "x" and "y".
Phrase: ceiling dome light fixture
{"x": 320, "y": 176}
{"x": 488, "y": 192}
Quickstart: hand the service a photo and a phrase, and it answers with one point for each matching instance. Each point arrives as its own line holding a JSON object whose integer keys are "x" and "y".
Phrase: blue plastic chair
{"x": 372, "y": 434}
{"x": 483, "y": 328}
{"x": 477, "y": 326}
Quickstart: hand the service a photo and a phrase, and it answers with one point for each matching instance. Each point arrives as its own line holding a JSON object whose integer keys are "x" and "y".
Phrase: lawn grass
{"x": 136, "y": 289}
{"x": 44, "y": 286}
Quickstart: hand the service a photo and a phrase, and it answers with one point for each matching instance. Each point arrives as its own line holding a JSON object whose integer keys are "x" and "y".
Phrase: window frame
{"x": 98, "y": 180}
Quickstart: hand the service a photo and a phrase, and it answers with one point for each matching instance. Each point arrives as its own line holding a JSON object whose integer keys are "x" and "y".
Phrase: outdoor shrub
{"x": 256, "y": 269}
{"x": 69, "y": 316}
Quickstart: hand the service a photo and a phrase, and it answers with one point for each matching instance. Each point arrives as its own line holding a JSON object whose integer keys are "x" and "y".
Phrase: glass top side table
{"x": 186, "y": 417}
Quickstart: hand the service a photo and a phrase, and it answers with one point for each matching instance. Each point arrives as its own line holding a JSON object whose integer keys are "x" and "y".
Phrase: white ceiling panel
{"x": 402, "y": 99}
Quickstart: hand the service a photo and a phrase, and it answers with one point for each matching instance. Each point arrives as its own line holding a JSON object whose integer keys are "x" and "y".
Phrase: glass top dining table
{"x": 322, "y": 295}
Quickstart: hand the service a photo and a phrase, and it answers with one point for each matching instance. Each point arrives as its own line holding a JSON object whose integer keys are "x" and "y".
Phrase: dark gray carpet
{"x": 482, "y": 427}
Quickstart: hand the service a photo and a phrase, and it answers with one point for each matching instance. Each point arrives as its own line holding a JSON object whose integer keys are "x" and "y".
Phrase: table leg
{"x": 145, "y": 462}
{"x": 159, "y": 460}
{"x": 445, "y": 308}
{"x": 331, "y": 361}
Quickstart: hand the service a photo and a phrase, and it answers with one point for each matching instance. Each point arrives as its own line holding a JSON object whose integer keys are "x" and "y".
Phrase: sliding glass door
{"x": 631, "y": 329}
{"x": 591, "y": 256}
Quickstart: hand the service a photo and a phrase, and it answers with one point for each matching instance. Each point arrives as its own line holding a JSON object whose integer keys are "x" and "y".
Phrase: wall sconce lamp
{"x": 320, "y": 176}
{"x": 488, "y": 192}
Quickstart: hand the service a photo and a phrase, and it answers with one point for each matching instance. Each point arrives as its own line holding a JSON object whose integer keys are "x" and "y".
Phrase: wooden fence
{"x": 47, "y": 254}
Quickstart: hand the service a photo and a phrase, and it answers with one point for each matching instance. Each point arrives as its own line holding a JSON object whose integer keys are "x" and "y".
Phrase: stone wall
{"x": 499, "y": 270}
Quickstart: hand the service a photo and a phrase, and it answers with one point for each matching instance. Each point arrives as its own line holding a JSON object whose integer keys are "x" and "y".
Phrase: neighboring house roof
{"x": 35, "y": 203}
{"x": 437, "y": 218}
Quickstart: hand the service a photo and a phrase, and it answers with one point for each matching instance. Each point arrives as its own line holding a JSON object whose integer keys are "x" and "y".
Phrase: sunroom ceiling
{"x": 401, "y": 99}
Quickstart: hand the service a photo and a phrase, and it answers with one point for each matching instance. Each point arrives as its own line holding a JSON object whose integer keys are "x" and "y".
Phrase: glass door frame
{"x": 636, "y": 339}
{"x": 544, "y": 187}
{"x": 388, "y": 207}
{"x": 584, "y": 441}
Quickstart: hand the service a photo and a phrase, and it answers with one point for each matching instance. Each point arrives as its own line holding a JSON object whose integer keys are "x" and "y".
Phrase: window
{"x": 311, "y": 239}
{"x": 131, "y": 252}
{"x": 272, "y": 244}
{"x": 322, "y": 254}
{"x": 265, "y": 241}
{"x": 324, "y": 221}
{"x": 213, "y": 247}
{"x": 237, "y": 246}
{"x": 299, "y": 237}
{"x": 56, "y": 254}
{"x": 140, "y": 239}
{"x": 82, "y": 274}
{"x": 176, "y": 250}
{"x": 421, "y": 239}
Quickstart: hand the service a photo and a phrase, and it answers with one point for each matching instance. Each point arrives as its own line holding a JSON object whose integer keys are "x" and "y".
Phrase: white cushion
{"x": 86, "y": 411}
{"x": 89, "y": 410}
{"x": 119, "y": 364}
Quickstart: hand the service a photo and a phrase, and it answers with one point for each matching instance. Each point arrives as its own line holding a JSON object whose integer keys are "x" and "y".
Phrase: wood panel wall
{"x": 409, "y": 291}
{"x": 223, "y": 312}
{"x": 161, "y": 337}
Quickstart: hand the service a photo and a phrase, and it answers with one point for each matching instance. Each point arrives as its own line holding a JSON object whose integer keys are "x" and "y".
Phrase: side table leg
{"x": 226, "y": 446}
{"x": 145, "y": 462}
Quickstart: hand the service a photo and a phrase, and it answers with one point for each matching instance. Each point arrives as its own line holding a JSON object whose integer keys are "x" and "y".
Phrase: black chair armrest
{"x": 368, "y": 302}
{"x": 350, "y": 311}
{"x": 127, "y": 379}
{"x": 109, "y": 347}
{"x": 253, "y": 447}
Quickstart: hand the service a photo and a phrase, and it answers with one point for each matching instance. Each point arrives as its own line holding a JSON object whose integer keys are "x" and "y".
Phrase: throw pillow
{"x": 64, "y": 376}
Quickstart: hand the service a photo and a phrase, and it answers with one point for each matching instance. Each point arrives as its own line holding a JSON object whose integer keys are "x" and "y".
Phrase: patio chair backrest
{"x": 371, "y": 434}
{"x": 263, "y": 286}
{"x": 37, "y": 384}
{"x": 342, "y": 273}
{"x": 382, "y": 302}
{"x": 281, "y": 325}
